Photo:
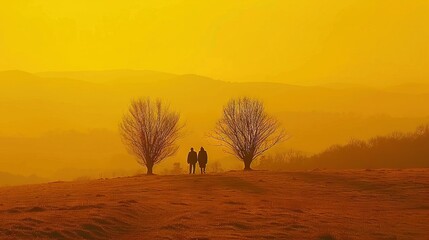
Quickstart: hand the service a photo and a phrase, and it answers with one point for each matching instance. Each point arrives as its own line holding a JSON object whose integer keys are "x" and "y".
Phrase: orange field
{"x": 352, "y": 204}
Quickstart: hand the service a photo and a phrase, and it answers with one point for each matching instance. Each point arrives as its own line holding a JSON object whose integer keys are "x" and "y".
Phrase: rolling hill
{"x": 320, "y": 205}
{"x": 40, "y": 111}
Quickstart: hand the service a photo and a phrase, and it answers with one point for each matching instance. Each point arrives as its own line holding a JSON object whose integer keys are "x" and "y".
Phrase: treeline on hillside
{"x": 397, "y": 150}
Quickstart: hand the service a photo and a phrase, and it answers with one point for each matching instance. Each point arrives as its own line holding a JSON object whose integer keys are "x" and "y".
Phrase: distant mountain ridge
{"x": 148, "y": 76}
{"x": 33, "y": 106}
{"x": 109, "y": 75}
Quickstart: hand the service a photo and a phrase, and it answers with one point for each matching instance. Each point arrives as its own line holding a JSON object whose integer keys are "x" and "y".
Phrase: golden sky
{"x": 301, "y": 41}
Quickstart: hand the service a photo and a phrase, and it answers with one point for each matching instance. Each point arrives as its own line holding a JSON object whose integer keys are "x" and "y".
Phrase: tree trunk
{"x": 247, "y": 163}
{"x": 149, "y": 169}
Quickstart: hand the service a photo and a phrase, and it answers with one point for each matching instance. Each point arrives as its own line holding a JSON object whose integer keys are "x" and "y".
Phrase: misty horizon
{"x": 84, "y": 134}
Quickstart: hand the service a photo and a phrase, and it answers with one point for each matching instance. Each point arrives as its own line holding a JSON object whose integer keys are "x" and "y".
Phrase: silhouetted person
{"x": 192, "y": 160}
{"x": 202, "y": 160}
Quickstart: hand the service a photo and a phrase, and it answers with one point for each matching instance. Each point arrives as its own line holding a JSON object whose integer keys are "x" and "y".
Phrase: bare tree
{"x": 246, "y": 130}
{"x": 150, "y": 130}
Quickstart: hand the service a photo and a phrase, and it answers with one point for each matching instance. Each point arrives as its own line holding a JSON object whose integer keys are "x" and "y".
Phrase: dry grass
{"x": 358, "y": 204}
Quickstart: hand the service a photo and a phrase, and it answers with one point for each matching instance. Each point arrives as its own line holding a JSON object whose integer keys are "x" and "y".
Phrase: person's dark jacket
{"x": 192, "y": 157}
{"x": 202, "y": 158}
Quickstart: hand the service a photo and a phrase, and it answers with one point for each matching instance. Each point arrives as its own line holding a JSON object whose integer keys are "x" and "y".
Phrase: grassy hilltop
{"x": 355, "y": 204}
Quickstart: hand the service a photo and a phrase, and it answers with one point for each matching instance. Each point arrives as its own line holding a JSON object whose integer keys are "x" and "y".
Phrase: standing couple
{"x": 201, "y": 158}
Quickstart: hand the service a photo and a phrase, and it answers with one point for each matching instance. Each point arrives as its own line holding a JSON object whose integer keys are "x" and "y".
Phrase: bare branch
{"x": 246, "y": 130}
{"x": 150, "y": 130}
